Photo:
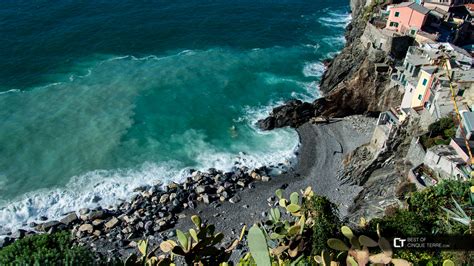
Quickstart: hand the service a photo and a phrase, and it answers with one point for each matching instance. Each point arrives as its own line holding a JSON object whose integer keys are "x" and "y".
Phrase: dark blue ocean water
{"x": 97, "y": 97}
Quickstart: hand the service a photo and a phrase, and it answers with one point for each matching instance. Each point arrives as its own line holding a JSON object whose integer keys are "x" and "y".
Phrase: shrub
{"x": 326, "y": 222}
{"x": 427, "y": 203}
{"x": 425, "y": 216}
{"x": 402, "y": 222}
{"x": 439, "y": 127}
{"x": 45, "y": 249}
{"x": 404, "y": 189}
{"x": 439, "y": 133}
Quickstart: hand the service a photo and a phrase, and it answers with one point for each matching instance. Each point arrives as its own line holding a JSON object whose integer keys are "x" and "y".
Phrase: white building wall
{"x": 407, "y": 97}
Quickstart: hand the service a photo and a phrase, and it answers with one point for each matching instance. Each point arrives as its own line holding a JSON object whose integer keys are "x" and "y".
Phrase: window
{"x": 424, "y": 82}
{"x": 419, "y": 97}
{"x": 393, "y": 24}
{"x": 412, "y": 32}
{"x": 397, "y": 14}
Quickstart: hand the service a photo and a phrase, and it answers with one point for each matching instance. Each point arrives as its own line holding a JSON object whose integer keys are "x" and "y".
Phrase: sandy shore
{"x": 323, "y": 148}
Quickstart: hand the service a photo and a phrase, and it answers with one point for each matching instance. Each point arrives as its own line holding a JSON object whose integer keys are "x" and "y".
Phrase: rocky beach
{"x": 231, "y": 199}
{"x": 228, "y": 200}
{"x": 329, "y": 132}
{"x": 279, "y": 119}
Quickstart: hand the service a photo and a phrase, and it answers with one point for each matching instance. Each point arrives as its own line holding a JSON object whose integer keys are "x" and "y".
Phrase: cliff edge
{"x": 357, "y": 80}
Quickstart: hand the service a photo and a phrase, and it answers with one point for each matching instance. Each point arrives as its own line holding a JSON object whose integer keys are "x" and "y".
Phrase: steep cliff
{"x": 350, "y": 85}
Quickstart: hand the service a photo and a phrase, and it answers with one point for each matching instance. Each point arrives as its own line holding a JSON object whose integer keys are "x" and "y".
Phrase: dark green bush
{"x": 439, "y": 127}
{"x": 402, "y": 222}
{"x": 326, "y": 222}
{"x": 427, "y": 203}
{"x": 439, "y": 133}
{"x": 45, "y": 249}
{"x": 424, "y": 216}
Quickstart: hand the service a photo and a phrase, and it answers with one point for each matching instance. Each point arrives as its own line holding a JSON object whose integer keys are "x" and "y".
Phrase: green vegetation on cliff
{"x": 440, "y": 132}
{"x": 46, "y": 249}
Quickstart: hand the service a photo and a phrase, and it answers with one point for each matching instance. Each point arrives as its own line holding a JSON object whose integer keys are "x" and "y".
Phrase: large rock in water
{"x": 293, "y": 113}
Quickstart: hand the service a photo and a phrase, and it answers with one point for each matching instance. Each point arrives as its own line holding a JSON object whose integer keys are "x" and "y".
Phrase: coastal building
{"x": 459, "y": 145}
{"x": 448, "y": 21}
{"x": 384, "y": 129}
{"x": 467, "y": 119}
{"x": 424, "y": 76}
{"x": 421, "y": 93}
{"x": 446, "y": 163}
{"x": 409, "y": 70}
{"x": 408, "y": 74}
{"x": 444, "y": 4}
{"x": 440, "y": 102}
{"x": 407, "y": 18}
{"x": 428, "y": 21}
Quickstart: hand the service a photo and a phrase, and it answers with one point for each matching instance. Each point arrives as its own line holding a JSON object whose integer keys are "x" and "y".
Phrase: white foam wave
{"x": 335, "y": 41}
{"x": 312, "y": 92}
{"x": 315, "y": 69}
{"x": 108, "y": 187}
{"x": 336, "y": 19}
{"x": 10, "y": 91}
{"x": 96, "y": 188}
{"x": 273, "y": 155}
{"x": 74, "y": 76}
{"x": 314, "y": 46}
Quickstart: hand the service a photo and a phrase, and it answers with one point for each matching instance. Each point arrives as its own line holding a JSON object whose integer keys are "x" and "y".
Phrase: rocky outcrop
{"x": 381, "y": 173}
{"x": 293, "y": 113}
{"x": 350, "y": 85}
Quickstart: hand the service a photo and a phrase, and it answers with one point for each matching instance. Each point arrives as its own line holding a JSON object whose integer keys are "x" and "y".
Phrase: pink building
{"x": 407, "y": 18}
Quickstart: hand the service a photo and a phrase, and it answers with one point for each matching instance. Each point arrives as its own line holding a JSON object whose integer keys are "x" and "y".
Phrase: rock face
{"x": 294, "y": 113}
{"x": 351, "y": 84}
{"x": 380, "y": 173}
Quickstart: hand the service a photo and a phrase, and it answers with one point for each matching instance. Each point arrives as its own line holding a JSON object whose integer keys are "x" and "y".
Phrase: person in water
{"x": 233, "y": 131}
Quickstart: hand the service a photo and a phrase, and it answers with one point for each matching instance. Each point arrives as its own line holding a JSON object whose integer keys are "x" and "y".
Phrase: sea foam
{"x": 335, "y": 19}
{"x": 107, "y": 105}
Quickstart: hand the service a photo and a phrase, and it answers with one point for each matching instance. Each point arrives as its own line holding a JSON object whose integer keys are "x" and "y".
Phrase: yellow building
{"x": 422, "y": 90}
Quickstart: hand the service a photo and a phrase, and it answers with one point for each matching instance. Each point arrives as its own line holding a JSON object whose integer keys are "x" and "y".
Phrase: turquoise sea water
{"x": 98, "y": 97}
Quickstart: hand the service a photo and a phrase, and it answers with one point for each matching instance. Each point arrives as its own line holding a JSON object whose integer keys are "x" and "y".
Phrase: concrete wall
{"x": 425, "y": 119}
{"x": 379, "y": 137}
{"x": 442, "y": 104}
{"x": 442, "y": 162}
{"x": 416, "y": 153}
{"x": 407, "y": 96}
{"x": 374, "y": 38}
